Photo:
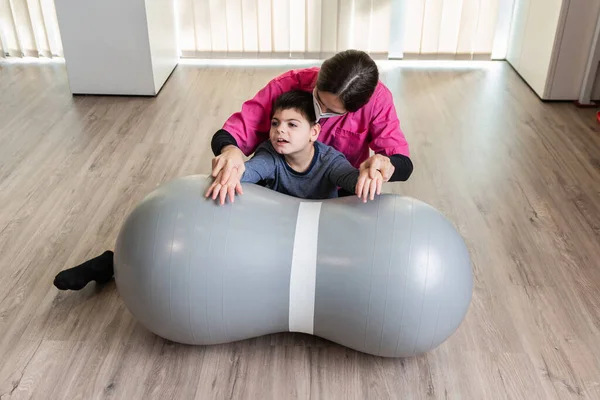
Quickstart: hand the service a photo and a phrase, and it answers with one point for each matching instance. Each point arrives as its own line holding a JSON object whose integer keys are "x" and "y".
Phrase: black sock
{"x": 99, "y": 269}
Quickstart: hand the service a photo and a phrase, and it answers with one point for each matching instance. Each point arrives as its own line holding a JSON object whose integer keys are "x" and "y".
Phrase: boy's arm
{"x": 260, "y": 167}
{"x": 343, "y": 174}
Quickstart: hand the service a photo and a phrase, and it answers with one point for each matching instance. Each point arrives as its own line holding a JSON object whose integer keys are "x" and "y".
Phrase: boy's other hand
{"x": 227, "y": 169}
{"x": 366, "y": 187}
{"x": 216, "y": 189}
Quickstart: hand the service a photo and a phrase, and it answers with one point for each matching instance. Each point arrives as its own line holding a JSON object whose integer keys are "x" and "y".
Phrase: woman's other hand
{"x": 375, "y": 164}
{"x": 227, "y": 164}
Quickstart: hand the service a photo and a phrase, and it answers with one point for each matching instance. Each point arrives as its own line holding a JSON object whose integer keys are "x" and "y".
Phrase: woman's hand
{"x": 374, "y": 164}
{"x": 228, "y": 163}
{"x": 367, "y": 187}
{"x": 227, "y": 169}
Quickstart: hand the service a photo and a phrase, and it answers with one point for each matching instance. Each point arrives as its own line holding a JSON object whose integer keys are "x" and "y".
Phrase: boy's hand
{"x": 366, "y": 187}
{"x": 221, "y": 191}
{"x": 227, "y": 169}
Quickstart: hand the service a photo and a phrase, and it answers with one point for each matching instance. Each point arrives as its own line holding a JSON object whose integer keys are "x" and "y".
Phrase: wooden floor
{"x": 519, "y": 178}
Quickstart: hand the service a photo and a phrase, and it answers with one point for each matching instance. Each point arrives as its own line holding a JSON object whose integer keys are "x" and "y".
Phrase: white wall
{"x": 532, "y": 40}
{"x": 517, "y": 32}
{"x": 596, "y": 90}
{"x": 117, "y": 47}
{"x": 162, "y": 33}
{"x": 550, "y": 44}
{"x": 574, "y": 49}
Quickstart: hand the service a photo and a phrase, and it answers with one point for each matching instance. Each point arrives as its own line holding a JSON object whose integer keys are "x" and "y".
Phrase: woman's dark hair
{"x": 298, "y": 100}
{"x": 351, "y": 75}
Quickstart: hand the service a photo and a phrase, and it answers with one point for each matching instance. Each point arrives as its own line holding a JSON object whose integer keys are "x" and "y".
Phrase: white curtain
{"x": 452, "y": 29}
{"x": 29, "y": 28}
{"x": 459, "y": 29}
{"x": 282, "y": 28}
{"x": 455, "y": 29}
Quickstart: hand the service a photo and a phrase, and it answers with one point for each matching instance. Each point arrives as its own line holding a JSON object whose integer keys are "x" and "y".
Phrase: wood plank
{"x": 518, "y": 178}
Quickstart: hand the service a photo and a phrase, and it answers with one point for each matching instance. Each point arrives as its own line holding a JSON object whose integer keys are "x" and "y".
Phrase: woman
{"x": 355, "y": 110}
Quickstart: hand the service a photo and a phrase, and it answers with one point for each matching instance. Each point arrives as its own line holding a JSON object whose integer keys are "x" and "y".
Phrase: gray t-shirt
{"x": 328, "y": 170}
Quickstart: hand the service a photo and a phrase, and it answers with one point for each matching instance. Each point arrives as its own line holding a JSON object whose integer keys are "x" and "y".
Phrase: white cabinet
{"x": 117, "y": 47}
{"x": 550, "y": 44}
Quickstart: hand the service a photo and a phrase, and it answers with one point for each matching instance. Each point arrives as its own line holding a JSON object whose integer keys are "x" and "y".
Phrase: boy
{"x": 293, "y": 162}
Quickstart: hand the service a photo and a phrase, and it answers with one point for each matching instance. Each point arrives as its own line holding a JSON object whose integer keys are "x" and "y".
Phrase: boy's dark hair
{"x": 298, "y": 100}
{"x": 352, "y": 75}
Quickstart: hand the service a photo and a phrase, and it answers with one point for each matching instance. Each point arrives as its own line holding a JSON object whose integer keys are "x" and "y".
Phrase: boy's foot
{"x": 99, "y": 269}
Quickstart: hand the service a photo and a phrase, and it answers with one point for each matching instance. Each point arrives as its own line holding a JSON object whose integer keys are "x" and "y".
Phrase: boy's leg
{"x": 99, "y": 269}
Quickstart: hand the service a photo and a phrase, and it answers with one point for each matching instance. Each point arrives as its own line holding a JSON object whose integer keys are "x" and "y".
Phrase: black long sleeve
{"x": 403, "y": 168}
{"x": 221, "y": 139}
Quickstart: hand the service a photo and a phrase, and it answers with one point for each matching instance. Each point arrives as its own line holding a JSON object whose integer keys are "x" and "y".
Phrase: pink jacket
{"x": 374, "y": 125}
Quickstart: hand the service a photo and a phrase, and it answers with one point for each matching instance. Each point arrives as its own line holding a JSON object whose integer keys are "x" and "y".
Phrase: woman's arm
{"x": 403, "y": 167}
{"x": 220, "y": 140}
{"x": 388, "y": 140}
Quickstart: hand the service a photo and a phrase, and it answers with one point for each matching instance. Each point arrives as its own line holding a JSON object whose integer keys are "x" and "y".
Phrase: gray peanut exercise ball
{"x": 390, "y": 277}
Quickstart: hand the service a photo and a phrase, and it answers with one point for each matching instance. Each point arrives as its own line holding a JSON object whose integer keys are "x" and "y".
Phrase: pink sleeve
{"x": 387, "y": 137}
{"x": 251, "y": 125}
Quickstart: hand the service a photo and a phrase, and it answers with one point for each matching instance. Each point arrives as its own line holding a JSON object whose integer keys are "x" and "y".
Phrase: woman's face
{"x": 327, "y": 105}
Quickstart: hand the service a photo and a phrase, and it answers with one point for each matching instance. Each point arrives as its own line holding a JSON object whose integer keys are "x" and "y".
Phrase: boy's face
{"x": 291, "y": 132}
